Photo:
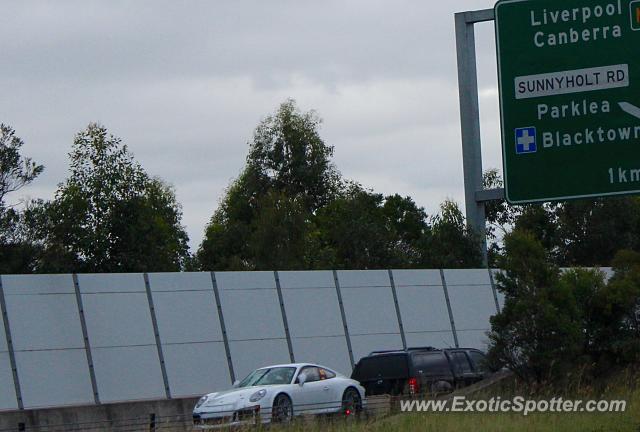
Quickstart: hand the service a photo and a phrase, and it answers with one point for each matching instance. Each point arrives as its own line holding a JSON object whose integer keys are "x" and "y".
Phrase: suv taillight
{"x": 414, "y": 386}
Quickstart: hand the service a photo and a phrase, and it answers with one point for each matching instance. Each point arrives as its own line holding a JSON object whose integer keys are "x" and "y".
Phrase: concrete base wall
{"x": 164, "y": 415}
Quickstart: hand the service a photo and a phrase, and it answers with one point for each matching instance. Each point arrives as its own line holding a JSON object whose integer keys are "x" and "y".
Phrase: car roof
{"x": 296, "y": 365}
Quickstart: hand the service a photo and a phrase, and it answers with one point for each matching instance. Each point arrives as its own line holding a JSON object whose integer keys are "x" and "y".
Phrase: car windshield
{"x": 269, "y": 376}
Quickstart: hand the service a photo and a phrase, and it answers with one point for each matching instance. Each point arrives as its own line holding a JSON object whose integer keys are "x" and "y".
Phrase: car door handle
{"x": 325, "y": 388}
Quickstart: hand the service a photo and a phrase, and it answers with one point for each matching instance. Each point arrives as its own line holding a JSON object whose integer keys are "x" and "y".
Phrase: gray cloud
{"x": 185, "y": 82}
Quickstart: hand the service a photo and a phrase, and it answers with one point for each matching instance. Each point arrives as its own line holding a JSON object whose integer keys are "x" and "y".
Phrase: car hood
{"x": 233, "y": 398}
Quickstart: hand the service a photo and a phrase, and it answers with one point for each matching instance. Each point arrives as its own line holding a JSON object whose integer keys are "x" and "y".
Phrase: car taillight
{"x": 414, "y": 386}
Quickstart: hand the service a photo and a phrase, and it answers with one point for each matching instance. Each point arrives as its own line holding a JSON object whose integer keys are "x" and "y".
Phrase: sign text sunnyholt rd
{"x": 569, "y": 77}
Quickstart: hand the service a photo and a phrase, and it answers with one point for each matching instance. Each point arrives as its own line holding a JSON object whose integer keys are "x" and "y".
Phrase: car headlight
{"x": 202, "y": 400}
{"x": 257, "y": 395}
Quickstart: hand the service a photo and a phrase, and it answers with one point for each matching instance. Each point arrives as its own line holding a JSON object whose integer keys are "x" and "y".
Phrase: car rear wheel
{"x": 351, "y": 402}
{"x": 282, "y": 411}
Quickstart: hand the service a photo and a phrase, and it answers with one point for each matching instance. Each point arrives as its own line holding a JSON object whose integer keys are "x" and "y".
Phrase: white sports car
{"x": 277, "y": 394}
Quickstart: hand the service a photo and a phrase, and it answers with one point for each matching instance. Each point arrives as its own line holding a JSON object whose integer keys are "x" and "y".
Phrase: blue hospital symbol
{"x": 526, "y": 140}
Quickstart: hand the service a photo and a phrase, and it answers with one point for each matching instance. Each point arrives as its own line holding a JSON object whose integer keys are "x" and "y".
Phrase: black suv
{"x": 420, "y": 370}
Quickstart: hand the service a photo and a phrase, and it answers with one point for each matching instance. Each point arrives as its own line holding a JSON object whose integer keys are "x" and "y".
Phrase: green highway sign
{"x": 569, "y": 79}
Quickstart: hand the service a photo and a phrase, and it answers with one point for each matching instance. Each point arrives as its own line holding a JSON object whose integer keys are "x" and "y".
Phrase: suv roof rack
{"x": 387, "y": 351}
{"x": 401, "y": 350}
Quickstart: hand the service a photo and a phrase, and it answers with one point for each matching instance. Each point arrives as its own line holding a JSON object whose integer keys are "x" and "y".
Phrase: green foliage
{"x": 365, "y": 230}
{"x": 555, "y": 325}
{"x": 451, "y": 244}
{"x": 535, "y": 334}
{"x": 108, "y": 216}
{"x": 290, "y": 209}
{"x": 592, "y": 231}
{"x": 288, "y": 155}
{"x": 264, "y": 220}
{"x": 575, "y": 233}
{"x": 16, "y": 171}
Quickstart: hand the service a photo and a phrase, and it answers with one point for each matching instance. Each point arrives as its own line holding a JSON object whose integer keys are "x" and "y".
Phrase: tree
{"x": 356, "y": 231}
{"x": 147, "y": 232}
{"x": 575, "y": 233}
{"x": 366, "y": 230}
{"x": 16, "y": 171}
{"x": 287, "y": 154}
{"x": 557, "y": 325}
{"x": 617, "y": 314}
{"x": 264, "y": 219}
{"x": 592, "y": 231}
{"x": 109, "y": 216}
{"x": 536, "y": 334}
{"x": 451, "y": 244}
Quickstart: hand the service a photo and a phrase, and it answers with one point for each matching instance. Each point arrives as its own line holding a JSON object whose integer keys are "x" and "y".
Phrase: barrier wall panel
{"x": 54, "y": 378}
{"x": 118, "y": 319}
{"x": 404, "y": 278}
{"x": 250, "y": 306}
{"x": 472, "y": 301}
{"x": 307, "y": 279}
{"x": 187, "y": 316}
{"x": 250, "y": 355}
{"x": 111, "y": 283}
{"x": 363, "y": 278}
{"x": 41, "y": 322}
{"x": 473, "y": 339}
{"x": 422, "y": 302}
{"x": 442, "y": 339}
{"x": 7, "y": 390}
{"x": 312, "y": 310}
{"x": 52, "y": 363}
{"x": 187, "y": 281}
{"x": 128, "y": 373}
{"x": 197, "y": 368}
{"x": 369, "y": 309}
{"x": 467, "y": 277}
{"x": 37, "y": 284}
{"x": 245, "y": 280}
{"x": 331, "y": 352}
{"x": 363, "y": 345}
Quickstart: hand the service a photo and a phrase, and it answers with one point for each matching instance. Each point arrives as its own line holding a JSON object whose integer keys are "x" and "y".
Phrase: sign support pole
{"x": 474, "y": 194}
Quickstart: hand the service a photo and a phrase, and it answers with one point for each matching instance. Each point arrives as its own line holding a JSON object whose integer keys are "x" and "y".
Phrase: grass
{"x": 625, "y": 386}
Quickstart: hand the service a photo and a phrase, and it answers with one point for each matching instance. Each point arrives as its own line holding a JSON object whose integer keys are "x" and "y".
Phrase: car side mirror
{"x": 236, "y": 383}
{"x": 302, "y": 378}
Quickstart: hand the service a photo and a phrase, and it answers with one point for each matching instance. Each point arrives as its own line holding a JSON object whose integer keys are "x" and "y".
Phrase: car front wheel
{"x": 282, "y": 411}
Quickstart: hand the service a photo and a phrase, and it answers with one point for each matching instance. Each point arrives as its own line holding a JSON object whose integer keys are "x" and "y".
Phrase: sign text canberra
{"x": 569, "y": 77}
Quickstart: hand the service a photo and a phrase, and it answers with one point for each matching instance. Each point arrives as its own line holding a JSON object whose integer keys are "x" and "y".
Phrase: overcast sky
{"x": 184, "y": 83}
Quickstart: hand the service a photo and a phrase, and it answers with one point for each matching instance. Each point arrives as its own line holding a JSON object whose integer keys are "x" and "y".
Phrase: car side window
{"x": 480, "y": 361}
{"x": 325, "y": 374}
{"x": 460, "y": 363}
{"x": 431, "y": 363}
{"x": 311, "y": 372}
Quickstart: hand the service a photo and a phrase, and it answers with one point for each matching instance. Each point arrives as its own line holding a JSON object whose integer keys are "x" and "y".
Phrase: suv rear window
{"x": 434, "y": 363}
{"x": 381, "y": 366}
